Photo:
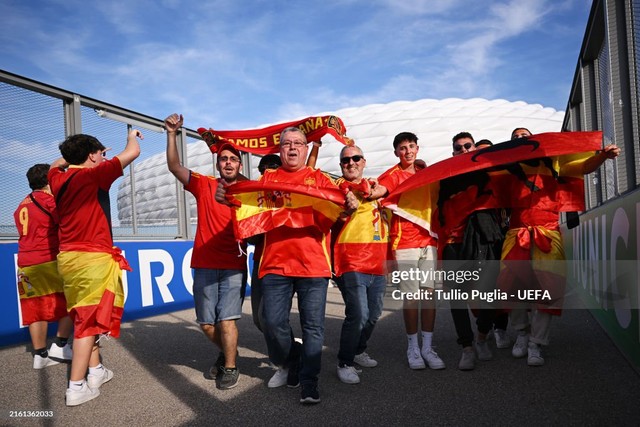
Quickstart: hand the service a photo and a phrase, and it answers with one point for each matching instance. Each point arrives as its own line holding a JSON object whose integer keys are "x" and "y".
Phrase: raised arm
{"x": 172, "y": 124}
{"x": 313, "y": 155}
{"x": 132, "y": 149}
{"x": 609, "y": 152}
{"x": 59, "y": 163}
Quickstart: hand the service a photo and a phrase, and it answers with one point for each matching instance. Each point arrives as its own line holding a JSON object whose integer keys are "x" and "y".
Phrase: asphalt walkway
{"x": 160, "y": 366}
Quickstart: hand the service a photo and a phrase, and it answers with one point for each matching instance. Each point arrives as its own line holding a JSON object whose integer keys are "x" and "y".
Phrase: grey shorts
{"x": 218, "y": 294}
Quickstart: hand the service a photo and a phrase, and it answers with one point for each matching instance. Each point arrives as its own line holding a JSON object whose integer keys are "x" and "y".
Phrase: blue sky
{"x": 232, "y": 64}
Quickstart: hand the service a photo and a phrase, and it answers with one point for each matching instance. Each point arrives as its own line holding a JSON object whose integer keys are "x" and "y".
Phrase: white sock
{"x": 76, "y": 385}
{"x": 413, "y": 340}
{"x": 96, "y": 370}
{"x": 426, "y": 340}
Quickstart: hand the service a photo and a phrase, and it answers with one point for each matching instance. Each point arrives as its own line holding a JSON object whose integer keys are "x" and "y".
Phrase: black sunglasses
{"x": 356, "y": 159}
{"x": 466, "y": 146}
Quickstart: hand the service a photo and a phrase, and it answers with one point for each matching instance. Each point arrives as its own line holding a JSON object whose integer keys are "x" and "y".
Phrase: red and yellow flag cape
{"x": 565, "y": 152}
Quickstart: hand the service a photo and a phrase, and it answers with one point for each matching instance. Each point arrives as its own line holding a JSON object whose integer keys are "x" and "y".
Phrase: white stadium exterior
{"x": 373, "y": 128}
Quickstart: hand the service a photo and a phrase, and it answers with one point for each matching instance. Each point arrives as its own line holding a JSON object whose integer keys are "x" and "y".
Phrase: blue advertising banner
{"x": 161, "y": 282}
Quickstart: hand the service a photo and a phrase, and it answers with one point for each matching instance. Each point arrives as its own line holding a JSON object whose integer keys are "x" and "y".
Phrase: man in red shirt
{"x": 39, "y": 284}
{"x": 413, "y": 249}
{"x": 295, "y": 260}
{"x": 534, "y": 237}
{"x": 89, "y": 264}
{"x": 219, "y": 263}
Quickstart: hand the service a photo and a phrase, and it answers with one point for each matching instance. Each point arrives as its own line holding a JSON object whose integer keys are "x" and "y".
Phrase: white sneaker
{"x": 502, "y": 338}
{"x": 279, "y": 378}
{"x": 467, "y": 360}
{"x": 534, "y": 356}
{"x": 62, "y": 353}
{"x": 40, "y": 362}
{"x": 348, "y": 374}
{"x": 483, "y": 350}
{"x": 77, "y": 397}
{"x": 520, "y": 347}
{"x": 94, "y": 381}
{"x": 415, "y": 360}
{"x": 364, "y": 360}
{"x": 432, "y": 358}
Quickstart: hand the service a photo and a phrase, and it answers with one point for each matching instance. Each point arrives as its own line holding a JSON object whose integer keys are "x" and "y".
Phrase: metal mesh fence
{"x": 145, "y": 202}
{"x": 32, "y": 127}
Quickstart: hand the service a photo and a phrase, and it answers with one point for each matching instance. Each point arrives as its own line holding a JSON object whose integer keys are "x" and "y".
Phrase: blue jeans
{"x": 363, "y": 295}
{"x": 276, "y": 305}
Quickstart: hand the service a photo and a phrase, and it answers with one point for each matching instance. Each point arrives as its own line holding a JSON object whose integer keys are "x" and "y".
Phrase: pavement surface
{"x": 161, "y": 364}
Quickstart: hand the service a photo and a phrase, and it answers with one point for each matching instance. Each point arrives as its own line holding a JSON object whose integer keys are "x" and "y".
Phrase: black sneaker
{"x": 293, "y": 380}
{"x": 214, "y": 371}
{"x": 228, "y": 378}
{"x": 309, "y": 394}
{"x": 219, "y": 361}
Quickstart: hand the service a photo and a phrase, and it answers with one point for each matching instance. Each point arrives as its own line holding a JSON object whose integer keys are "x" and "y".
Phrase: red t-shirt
{"x": 37, "y": 230}
{"x": 215, "y": 245}
{"x": 404, "y": 234}
{"x": 296, "y": 252}
{"x": 85, "y": 208}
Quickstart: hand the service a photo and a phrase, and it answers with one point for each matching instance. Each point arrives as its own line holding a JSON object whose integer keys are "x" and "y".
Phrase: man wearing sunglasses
{"x": 463, "y": 143}
{"x": 220, "y": 272}
{"x": 360, "y": 252}
{"x": 413, "y": 249}
{"x": 477, "y": 237}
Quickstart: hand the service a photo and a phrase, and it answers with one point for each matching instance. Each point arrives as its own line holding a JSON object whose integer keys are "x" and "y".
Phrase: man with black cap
{"x": 219, "y": 266}
{"x": 270, "y": 161}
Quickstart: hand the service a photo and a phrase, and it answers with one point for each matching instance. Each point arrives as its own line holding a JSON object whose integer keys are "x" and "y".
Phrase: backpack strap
{"x": 35, "y": 202}
{"x": 63, "y": 188}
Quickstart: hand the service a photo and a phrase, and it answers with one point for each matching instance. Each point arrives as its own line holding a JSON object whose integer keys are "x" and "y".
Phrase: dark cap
{"x": 230, "y": 147}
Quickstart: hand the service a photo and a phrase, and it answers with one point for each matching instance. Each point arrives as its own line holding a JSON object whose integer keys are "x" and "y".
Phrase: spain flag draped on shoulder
{"x": 508, "y": 185}
{"x": 267, "y": 140}
{"x": 261, "y": 206}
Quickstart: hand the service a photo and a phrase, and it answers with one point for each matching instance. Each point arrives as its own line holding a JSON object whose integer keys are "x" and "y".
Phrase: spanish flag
{"x": 94, "y": 290}
{"x": 263, "y": 206}
{"x": 41, "y": 296}
{"x": 509, "y": 185}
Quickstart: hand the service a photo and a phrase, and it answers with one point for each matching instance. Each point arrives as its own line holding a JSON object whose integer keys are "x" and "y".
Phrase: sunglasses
{"x": 356, "y": 159}
{"x": 465, "y": 146}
